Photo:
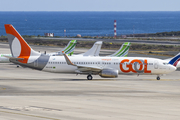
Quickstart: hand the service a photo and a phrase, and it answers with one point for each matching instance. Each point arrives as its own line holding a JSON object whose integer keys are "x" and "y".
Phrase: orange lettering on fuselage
{"x": 131, "y": 67}
{"x": 135, "y": 69}
{"x": 121, "y": 65}
{"x": 145, "y": 67}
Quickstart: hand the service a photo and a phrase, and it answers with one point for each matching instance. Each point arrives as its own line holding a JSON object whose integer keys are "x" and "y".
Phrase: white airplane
{"x": 69, "y": 49}
{"x": 108, "y": 67}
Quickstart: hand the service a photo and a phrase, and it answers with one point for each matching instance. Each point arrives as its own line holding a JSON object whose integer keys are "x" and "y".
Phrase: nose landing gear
{"x": 158, "y": 78}
{"x": 89, "y": 77}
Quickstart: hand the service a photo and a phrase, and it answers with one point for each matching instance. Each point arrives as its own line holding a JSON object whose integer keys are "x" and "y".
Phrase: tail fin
{"x": 123, "y": 51}
{"x": 94, "y": 51}
{"x": 18, "y": 46}
{"x": 174, "y": 61}
{"x": 70, "y": 47}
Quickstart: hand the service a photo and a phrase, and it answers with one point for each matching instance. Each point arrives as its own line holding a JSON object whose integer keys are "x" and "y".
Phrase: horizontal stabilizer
{"x": 13, "y": 58}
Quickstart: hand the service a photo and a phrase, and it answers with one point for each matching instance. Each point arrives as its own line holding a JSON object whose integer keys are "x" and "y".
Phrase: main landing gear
{"x": 158, "y": 78}
{"x": 89, "y": 77}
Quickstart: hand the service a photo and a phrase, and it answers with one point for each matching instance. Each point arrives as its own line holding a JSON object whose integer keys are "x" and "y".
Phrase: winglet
{"x": 67, "y": 59}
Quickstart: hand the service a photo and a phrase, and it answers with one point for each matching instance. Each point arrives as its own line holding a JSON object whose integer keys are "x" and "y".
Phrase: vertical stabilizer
{"x": 174, "y": 61}
{"x": 123, "y": 51}
{"x": 18, "y": 46}
{"x": 69, "y": 49}
{"x": 94, "y": 51}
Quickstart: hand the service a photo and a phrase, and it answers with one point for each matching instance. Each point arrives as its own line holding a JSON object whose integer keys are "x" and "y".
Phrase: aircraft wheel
{"x": 158, "y": 78}
{"x": 89, "y": 77}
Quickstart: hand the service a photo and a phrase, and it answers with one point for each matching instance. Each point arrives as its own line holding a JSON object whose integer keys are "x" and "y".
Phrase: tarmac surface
{"x": 27, "y": 94}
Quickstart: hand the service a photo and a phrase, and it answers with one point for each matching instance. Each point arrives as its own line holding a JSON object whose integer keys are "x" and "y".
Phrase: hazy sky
{"x": 90, "y": 5}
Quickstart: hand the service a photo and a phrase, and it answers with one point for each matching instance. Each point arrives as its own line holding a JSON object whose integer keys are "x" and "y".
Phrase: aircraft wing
{"x": 83, "y": 68}
{"x": 88, "y": 68}
{"x": 123, "y": 51}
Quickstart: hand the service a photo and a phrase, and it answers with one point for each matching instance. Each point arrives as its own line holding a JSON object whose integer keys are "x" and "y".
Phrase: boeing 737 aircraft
{"x": 109, "y": 67}
{"x": 69, "y": 49}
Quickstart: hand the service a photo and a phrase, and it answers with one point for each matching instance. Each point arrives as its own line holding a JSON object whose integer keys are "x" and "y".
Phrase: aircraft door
{"x": 155, "y": 64}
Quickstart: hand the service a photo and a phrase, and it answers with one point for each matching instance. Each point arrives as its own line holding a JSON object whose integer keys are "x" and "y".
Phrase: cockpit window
{"x": 165, "y": 63}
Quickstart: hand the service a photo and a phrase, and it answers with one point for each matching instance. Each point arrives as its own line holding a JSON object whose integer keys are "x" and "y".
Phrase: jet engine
{"x": 109, "y": 73}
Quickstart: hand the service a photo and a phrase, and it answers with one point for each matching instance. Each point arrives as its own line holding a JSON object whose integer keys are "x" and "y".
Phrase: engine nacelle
{"x": 109, "y": 73}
